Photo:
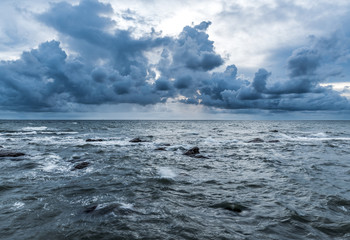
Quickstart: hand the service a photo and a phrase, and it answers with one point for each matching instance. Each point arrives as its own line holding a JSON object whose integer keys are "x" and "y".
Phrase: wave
{"x": 314, "y": 137}
{"x": 18, "y": 133}
{"x": 28, "y": 129}
{"x": 60, "y": 133}
{"x": 319, "y": 135}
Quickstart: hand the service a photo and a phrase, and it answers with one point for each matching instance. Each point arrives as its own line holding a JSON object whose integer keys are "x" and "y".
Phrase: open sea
{"x": 250, "y": 180}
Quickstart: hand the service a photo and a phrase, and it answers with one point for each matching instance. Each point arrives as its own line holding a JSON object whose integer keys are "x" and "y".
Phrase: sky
{"x": 137, "y": 59}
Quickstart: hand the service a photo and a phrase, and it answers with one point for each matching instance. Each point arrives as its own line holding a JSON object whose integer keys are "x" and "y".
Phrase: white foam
{"x": 19, "y": 133}
{"x": 165, "y": 172}
{"x": 53, "y": 163}
{"x": 320, "y": 135}
{"x": 210, "y": 140}
{"x": 126, "y": 205}
{"x": 49, "y": 167}
{"x": 314, "y": 137}
{"x": 18, "y": 205}
{"x": 61, "y": 133}
{"x": 343, "y": 208}
{"x": 42, "y": 128}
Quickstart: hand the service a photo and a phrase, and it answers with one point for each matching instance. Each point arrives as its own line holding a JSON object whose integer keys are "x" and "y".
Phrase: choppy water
{"x": 295, "y": 188}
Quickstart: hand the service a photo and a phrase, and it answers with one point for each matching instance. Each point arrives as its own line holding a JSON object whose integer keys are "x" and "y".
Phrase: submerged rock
{"x": 90, "y": 209}
{"x": 81, "y": 165}
{"x": 274, "y": 131}
{"x": 230, "y": 207}
{"x": 94, "y": 140}
{"x": 160, "y": 149}
{"x": 199, "y": 156}
{"x": 192, "y": 151}
{"x": 274, "y": 141}
{"x": 136, "y": 140}
{"x": 166, "y": 144}
{"x": 256, "y": 140}
{"x": 11, "y": 154}
{"x": 97, "y": 209}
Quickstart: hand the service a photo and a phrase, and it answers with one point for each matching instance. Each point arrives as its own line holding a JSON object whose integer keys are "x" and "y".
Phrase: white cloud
{"x": 248, "y": 31}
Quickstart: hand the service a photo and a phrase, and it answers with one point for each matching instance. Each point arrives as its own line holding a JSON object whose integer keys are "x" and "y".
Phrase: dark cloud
{"x": 110, "y": 66}
{"x": 259, "y": 82}
{"x": 163, "y": 84}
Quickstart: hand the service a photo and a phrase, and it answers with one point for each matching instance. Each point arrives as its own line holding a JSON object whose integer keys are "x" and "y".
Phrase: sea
{"x": 136, "y": 179}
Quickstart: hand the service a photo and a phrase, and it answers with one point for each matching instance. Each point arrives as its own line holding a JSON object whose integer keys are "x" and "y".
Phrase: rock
{"x": 274, "y": 131}
{"x": 256, "y": 140}
{"x": 81, "y": 165}
{"x": 160, "y": 149}
{"x": 103, "y": 210}
{"x": 192, "y": 151}
{"x": 274, "y": 141}
{"x": 136, "y": 140}
{"x": 166, "y": 144}
{"x": 234, "y": 208}
{"x": 199, "y": 156}
{"x": 230, "y": 207}
{"x": 94, "y": 140}
{"x": 1, "y": 147}
{"x": 11, "y": 154}
{"x": 90, "y": 209}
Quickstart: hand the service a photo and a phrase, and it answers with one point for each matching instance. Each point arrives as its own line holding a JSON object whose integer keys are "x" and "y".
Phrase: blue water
{"x": 251, "y": 180}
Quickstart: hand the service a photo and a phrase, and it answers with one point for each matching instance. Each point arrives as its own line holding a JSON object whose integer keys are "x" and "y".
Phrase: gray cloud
{"x": 110, "y": 66}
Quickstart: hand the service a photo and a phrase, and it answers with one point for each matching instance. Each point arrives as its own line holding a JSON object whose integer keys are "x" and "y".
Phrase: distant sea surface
{"x": 250, "y": 180}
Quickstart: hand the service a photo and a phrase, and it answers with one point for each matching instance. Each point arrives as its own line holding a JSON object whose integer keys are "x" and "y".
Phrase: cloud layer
{"x": 102, "y": 64}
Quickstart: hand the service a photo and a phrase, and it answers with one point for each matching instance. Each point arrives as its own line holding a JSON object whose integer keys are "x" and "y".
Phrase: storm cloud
{"x": 101, "y": 64}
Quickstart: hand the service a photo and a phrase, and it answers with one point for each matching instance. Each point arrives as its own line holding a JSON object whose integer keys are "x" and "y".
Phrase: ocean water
{"x": 251, "y": 180}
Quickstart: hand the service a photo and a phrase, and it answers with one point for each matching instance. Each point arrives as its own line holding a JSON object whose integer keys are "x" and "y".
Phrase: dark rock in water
{"x": 94, "y": 140}
{"x": 166, "y": 144}
{"x": 192, "y": 151}
{"x": 135, "y": 140}
{"x": 199, "y": 156}
{"x": 274, "y": 141}
{"x": 274, "y": 131}
{"x": 90, "y": 209}
{"x": 114, "y": 207}
{"x": 81, "y": 165}
{"x": 11, "y": 154}
{"x": 1, "y": 147}
{"x": 256, "y": 140}
{"x": 160, "y": 149}
{"x": 230, "y": 207}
